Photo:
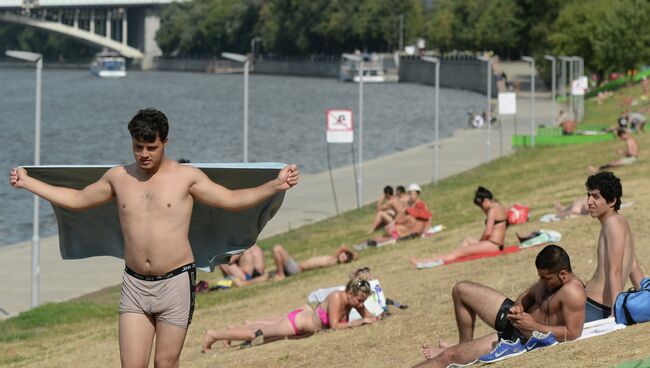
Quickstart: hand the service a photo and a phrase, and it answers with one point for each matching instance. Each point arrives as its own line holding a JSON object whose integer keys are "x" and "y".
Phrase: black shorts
{"x": 505, "y": 329}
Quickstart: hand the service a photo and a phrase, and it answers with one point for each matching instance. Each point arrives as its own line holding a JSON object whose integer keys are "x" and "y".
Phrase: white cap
{"x": 414, "y": 188}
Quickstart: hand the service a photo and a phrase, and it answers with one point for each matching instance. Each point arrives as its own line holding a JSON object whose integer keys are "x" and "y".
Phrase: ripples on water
{"x": 84, "y": 122}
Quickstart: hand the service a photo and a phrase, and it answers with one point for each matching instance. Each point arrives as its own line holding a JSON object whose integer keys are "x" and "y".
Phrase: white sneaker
{"x": 430, "y": 264}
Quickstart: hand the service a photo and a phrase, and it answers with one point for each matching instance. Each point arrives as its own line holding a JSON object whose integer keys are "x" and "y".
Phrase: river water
{"x": 84, "y": 121}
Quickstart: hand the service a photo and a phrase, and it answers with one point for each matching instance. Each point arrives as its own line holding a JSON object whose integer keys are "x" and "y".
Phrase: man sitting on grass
{"x": 550, "y": 310}
{"x": 388, "y": 207}
{"x": 616, "y": 255}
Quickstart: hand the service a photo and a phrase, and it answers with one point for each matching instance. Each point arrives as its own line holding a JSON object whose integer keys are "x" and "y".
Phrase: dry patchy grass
{"x": 537, "y": 178}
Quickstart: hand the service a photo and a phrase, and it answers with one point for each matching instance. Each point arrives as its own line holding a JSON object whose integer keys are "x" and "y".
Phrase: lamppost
{"x": 436, "y": 127}
{"x": 580, "y": 65}
{"x": 531, "y": 60}
{"x": 553, "y": 102}
{"x": 358, "y": 59}
{"x": 246, "y": 60}
{"x": 488, "y": 111}
{"x": 566, "y": 60}
{"x": 254, "y": 41}
{"x": 36, "y": 269}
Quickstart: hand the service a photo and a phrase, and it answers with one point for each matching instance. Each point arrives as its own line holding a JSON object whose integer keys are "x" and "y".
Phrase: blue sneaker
{"x": 505, "y": 349}
{"x": 540, "y": 340}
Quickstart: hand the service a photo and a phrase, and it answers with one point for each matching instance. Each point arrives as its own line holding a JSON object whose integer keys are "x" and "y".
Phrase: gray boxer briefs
{"x": 291, "y": 267}
{"x": 168, "y": 298}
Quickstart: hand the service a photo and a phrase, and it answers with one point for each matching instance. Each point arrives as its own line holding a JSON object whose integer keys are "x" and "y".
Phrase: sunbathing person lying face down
{"x": 287, "y": 266}
{"x": 491, "y": 240}
{"x": 331, "y": 313}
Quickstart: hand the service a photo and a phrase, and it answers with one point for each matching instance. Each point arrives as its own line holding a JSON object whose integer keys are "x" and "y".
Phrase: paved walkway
{"x": 309, "y": 202}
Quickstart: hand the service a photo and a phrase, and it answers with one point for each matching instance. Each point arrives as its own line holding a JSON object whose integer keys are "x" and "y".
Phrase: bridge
{"x": 126, "y": 26}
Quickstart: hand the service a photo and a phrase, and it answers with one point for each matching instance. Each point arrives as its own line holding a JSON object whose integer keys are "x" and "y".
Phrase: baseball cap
{"x": 414, "y": 188}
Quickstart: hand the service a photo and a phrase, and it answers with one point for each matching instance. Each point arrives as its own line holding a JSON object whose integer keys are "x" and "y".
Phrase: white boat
{"x": 109, "y": 65}
{"x": 375, "y": 70}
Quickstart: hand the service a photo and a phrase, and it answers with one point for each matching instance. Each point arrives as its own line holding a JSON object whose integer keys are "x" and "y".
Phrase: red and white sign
{"x": 339, "y": 126}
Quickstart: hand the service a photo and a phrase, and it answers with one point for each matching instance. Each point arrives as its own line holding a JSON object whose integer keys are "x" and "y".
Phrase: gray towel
{"x": 215, "y": 234}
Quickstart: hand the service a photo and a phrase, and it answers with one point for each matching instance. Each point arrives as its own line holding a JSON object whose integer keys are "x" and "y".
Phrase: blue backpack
{"x": 633, "y": 306}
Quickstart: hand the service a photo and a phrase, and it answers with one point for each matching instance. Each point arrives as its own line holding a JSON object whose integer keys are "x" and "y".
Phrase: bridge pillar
{"x": 92, "y": 21}
{"x": 151, "y": 26}
{"x": 108, "y": 23}
{"x": 124, "y": 27}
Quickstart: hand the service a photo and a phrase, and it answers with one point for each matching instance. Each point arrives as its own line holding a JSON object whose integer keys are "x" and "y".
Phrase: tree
{"x": 498, "y": 27}
{"x": 621, "y": 40}
{"x": 442, "y": 27}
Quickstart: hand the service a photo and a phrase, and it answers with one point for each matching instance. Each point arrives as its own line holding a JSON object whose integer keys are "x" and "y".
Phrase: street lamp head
{"x": 352, "y": 57}
{"x": 235, "y": 57}
{"x": 430, "y": 59}
{"x": 24, "y": 55}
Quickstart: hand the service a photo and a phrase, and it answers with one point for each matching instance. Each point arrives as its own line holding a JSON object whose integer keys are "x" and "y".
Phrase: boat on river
{"x": 377, "y": 68}
{"x": 109, "y": 65}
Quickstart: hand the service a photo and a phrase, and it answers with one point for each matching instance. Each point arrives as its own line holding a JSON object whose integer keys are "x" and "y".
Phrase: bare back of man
{"x": 617, "y": 261}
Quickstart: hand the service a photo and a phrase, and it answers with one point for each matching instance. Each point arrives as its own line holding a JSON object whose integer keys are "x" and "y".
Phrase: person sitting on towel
{"x": 287, "y": 266}
{"x": 491, "y": 240}
{"x": 553, "y": 304}
{"x": 330, "y": 314}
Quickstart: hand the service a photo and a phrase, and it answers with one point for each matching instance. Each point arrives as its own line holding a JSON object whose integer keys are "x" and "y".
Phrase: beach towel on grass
{"x": 506, "y": 250}
{"x": 215, "y": 234}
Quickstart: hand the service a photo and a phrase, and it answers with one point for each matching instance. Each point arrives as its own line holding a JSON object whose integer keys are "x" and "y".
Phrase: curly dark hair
{"x": 482, "y": 194}
{"x": 554, "y": 259}
{"x": 609, "y": 186}
{"x": 148, "y": 124}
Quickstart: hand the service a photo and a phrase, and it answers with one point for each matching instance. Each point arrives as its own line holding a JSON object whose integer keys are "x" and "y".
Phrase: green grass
{"x": 51, "y": 317}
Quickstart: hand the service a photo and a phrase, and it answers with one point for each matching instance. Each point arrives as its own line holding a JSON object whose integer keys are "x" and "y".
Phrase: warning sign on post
{"x": 339, "y": 126}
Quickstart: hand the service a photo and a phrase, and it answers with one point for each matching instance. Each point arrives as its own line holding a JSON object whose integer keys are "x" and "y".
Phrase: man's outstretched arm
{"x": 215, "y": 195}
{"x": 93, "y": 195}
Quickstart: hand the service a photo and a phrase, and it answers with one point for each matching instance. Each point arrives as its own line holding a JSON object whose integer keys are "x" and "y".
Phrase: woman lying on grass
{"x": 331, "y": 313}
{"x": 491, "y": 240}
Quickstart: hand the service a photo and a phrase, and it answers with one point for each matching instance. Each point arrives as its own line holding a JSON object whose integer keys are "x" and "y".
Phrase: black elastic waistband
{"x": 598, "y": 305}
{"x": 168, "y": 275}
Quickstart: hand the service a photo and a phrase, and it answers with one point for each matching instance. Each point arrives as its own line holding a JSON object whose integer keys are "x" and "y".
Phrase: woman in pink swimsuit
{"x": 331, "y": 313}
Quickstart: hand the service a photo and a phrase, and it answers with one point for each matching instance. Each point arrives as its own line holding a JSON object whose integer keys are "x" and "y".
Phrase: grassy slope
{"x": 85, "y": 330}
